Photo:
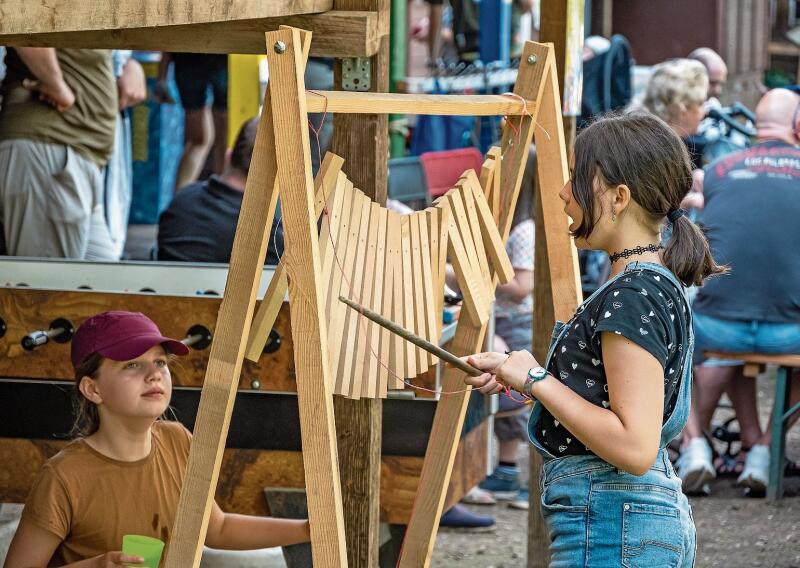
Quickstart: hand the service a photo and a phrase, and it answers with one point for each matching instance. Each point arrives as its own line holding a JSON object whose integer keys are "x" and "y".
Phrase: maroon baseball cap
{"x": 119, "y": 336}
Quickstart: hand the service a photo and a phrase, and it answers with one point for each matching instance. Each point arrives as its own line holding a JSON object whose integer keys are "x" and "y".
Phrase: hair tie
{"x": 675, "y": 214}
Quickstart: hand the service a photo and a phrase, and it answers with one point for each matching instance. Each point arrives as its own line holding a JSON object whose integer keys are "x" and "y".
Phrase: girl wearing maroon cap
{"x": 124, "y": 472}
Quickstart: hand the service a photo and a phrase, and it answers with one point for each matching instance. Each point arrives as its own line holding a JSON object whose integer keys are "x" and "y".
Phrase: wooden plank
{"x": 420, "y": 324}
{"x": 385, "y": 291}
{"x": 337, "y": 337}
{"x": 334, "y": 313}
{"x": 459, "y": 212}
{"x": 468, "y": 198}
{"x": 354, "y": 321}
{"x": 329, "y": 235}
{"x": 227, "y": 352}
{"x": 473, "y": 288}
{"x": 428, "y": 505}
{"x": 307, "y": 301}
{"x": 362, "y": 330}
{"x": 352, "y": 102}
{"x": 409, "y": 315}
{"x": 276, "y": 292}
{"x": 432, "y": 221}
{"x": 336, "y": 34}
{"x": 25, "y": 17}
{"x": 373, "y": 360}
{"x": 429, "y": 302}
{"x": 444, "y": 230}
{"x": 492, "y": 241}
{"x": 394, "y": 240}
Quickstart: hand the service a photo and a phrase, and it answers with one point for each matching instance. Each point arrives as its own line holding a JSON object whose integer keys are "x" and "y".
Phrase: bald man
{"x": 716, "y": 67}
{"x": 752, "y": 207}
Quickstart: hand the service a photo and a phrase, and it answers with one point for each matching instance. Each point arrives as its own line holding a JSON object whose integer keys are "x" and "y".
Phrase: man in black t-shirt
{"x": 752, "y": 208}
{"x": 200, "y": 223}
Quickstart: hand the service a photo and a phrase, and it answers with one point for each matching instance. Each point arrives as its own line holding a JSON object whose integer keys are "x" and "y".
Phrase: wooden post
{"x": 306, "y": 298}
{"x": 362, "y": 140}
{"x": 227, "y": 352}
{"x": 451, "y": 409}
{"x": 557, "y": 290}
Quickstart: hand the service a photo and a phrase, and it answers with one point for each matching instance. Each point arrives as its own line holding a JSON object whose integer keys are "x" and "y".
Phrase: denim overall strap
{"x": 680, "y": 413}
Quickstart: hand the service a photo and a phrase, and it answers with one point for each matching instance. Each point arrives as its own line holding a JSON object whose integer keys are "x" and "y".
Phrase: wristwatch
{"x": 535, "y": 375}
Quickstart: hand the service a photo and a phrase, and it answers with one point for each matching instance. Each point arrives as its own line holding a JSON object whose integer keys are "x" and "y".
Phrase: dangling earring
{"x": 613, "y": 216}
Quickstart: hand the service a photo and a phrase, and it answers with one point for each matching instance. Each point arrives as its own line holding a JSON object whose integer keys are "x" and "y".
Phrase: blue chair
{"x": 407, "y": 182}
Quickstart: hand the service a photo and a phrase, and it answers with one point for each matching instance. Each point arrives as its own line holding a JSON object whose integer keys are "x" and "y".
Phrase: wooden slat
{"x": 456, "y": 200}
{"x": 307, "y": 300}
{"x": 408, "y": 295}
{"x": 329, "y": 235}
{"x": 384, "y": 290}
{"x": 475, "y": 227}
{"x": 444, "y": 231}
{"x": 420, "y": 323}
{"x": 362, "y": 330}
{"x": 26, "y": 17}
{"x": 354, "y": 326}
{"x": 340, "y": 272}
{"x": 276, "y": 292}
{"x": 227, "y": 351}
{"x": 492, "y": 241}
{"x": 341, "y": 335}
{"x": 336, "y": 34}
{"x": 400, "y": 103}
{"x": 394, "y": 240}
{"x": 428, "y": 505}
{"x": 429, "y": 302}
{"x": 372, "y": 354}
{"x": 432, "y": 221}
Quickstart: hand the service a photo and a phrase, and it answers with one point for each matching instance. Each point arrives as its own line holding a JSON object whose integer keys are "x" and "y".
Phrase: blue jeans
{"x": 737, "y": 336}
{"x": 600, "y": 516}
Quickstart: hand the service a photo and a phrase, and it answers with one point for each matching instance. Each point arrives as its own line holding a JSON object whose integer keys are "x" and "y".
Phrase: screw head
{"x": 255, "y": 384}
{"x": 531, "y": 59}
{"x": 280, "y": 47}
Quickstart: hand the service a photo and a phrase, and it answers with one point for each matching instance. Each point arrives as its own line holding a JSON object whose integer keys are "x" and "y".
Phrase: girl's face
{"x": 573, "y": 209}
{"x": 139, "y": 388}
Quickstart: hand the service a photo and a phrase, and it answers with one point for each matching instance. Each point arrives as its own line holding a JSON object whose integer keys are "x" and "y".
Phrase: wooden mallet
{"x": 415, "y": 339}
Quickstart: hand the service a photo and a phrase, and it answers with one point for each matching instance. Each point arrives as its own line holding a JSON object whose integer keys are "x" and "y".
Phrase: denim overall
{"x": 600, "y": 516}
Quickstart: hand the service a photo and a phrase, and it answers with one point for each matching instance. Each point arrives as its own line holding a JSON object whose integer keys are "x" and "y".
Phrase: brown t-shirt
{"x": 88, "y": 126}
{"x": 90, "y": 501}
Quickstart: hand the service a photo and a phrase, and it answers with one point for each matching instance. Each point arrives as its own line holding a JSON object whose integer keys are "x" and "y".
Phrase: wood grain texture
{"x": 245, "y": 473}
{"x": 28, "y": 309}
{"x": 492, "y": 241}
{"x": 420, "y": 311}
{"x": 469, "y": 281}
{"x": 364, "y": 143}
{"x": 227, "y": 352}
{"x": 41, "y": 16}
{"x": 401, "y": 103}
{"x": 336, "y": 34}
{"x": 398, "y": 359}
{"x": 306, "y": 297}
{"x": 266, "y": 313}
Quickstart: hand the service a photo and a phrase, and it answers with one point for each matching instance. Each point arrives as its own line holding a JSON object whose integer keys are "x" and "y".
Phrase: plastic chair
{"x": 407, "y": 182}
{"x": 443, "y": 169}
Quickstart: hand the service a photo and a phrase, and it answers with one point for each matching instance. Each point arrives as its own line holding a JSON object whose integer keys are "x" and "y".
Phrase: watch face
{"x": 537, "y": 373}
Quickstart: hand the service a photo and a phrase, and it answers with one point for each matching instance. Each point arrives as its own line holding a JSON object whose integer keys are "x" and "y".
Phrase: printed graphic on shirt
{"x": 641, "y": 306}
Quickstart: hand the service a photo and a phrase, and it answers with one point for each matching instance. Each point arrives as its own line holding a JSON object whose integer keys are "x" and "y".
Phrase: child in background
{"x": 124, "y": 473}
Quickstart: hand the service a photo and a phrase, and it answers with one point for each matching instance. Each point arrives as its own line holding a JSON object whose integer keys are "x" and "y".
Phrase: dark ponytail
{"x": 640, "y": 151}
{"x": 687, "y": 254}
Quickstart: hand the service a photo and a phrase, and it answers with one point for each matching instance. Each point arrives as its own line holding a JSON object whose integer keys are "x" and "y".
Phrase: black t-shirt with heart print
{"x": 643, "y": 306}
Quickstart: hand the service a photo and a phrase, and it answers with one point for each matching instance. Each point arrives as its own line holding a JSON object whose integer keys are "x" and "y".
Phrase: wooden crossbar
{"x": 401, "y": 103}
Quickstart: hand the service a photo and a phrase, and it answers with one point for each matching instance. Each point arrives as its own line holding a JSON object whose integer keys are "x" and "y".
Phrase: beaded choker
{"x": 626, "y": 253}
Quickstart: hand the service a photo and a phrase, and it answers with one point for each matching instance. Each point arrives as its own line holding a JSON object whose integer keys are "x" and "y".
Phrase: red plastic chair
{"x": 443, "y": 169}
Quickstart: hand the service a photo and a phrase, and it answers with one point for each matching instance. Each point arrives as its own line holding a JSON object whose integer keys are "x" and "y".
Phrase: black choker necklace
{"x": 626, "y": 253}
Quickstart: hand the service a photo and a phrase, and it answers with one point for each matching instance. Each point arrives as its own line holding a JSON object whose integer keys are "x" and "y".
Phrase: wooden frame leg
{"x": 777, "y": 446}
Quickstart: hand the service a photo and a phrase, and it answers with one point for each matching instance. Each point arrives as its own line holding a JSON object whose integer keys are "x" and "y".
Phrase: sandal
{"x": 730, "y": 464}
{"x": 756, "y": 469}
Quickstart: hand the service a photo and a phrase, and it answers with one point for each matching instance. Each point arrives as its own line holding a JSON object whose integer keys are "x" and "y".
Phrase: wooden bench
{"x": 754, "y": 364}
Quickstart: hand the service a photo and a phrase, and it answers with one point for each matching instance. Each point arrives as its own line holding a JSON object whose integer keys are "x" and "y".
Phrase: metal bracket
{"x": 356, "y": 74}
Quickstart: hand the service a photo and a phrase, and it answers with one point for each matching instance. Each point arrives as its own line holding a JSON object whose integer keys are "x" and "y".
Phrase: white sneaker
{"x": 756, "y": 469}
{"x": 695, "y": 467}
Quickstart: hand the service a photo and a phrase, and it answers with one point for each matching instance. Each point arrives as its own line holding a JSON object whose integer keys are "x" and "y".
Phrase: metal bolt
{"x": 255, "y": 384}
{"x": 531, "y": 59}
{"x": 280, "y": 47}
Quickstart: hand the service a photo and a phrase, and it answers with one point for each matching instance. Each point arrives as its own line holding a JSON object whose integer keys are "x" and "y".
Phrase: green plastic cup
{"x": 147, "y": 547}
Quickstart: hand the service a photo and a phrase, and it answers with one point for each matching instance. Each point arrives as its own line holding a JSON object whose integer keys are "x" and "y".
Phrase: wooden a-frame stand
{"x": 281, "y": 159}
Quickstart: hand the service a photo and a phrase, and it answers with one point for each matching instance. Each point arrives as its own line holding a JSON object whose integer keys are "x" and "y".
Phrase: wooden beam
{"x": 227, "y": 351}
{"x": 26, "y": 17}
{"x": 362, "y": 140}
{"x": 401, "y": 103}
{"x": 306, "y": 298}
{"x": 336, "y": 34}
{"x": 429, "y": 503}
